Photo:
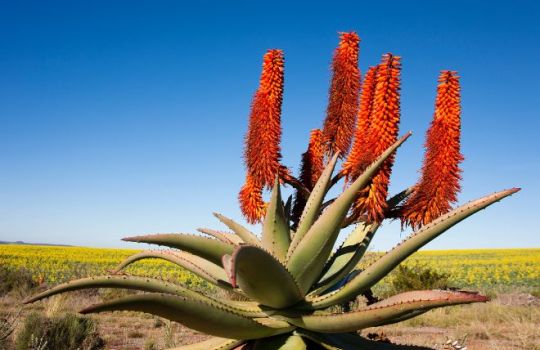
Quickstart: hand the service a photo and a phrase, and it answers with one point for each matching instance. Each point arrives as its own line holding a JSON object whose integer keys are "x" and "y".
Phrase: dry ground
{"x": 509, "y": 322}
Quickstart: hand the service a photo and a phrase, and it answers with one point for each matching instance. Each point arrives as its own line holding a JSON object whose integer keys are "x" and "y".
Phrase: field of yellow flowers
{"x": 467, "y": 268}
{"x": 54, "y": 264}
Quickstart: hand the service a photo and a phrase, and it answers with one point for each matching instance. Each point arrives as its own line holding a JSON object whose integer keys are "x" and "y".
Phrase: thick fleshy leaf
{"x": 345, "y": 259}
{"x": 200, "y": 316}
{"x": 395, "y": 200}
{"x": 307, "y": 260}
{"x": 314, "y": 203}
{"x": 318, "y": 338}
{"x": 381, "y": 267}
{"x": 214, "y": 343}
{"x": 226, "y": 262}
{"x": 276, "y": 235}
{"x": 288, "y": 207}
{"x": 400, "y": 318}
{"x": 199, "y": 266}
{"x": 391, "y": 207}
{"x": 246, "y": 235}
{"x": 147, "y": 284}
{"x": 351, "y": 341}
{"x": 385, "y": 310}
{"x": 280, "y": 342}
{"x": 207, "y": 248}
{"x": 226, "y": 237}
{"x": 263, "y": 277}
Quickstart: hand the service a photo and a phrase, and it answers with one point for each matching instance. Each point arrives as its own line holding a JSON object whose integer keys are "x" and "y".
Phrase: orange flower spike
{"x": 311, "y": 168}
{"x": 312, "y": 160}
{"x": 354, "y": 164}
{"x": 439, "y": 184}
{"x": 383, "y": 132}
{"x": 343, "y": 97}
{"x": 262, "y": 150}
{"x": 252, "y": 204}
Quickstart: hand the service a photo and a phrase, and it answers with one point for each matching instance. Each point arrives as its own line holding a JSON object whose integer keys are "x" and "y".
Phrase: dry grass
{"x": 509, "y": 322}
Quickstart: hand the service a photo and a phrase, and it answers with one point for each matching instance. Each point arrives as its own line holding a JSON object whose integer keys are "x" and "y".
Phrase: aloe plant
{"x": 289, "y": 278}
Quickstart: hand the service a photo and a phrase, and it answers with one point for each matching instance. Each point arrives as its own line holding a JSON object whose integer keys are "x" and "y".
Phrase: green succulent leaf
{"x": 226, "y": 262}
{"x": 318, "y": 338}
{"x": 225, "y": 237}
{"x": 307, "y": 260}
{"x": 197, "y": 265}
{"x": 380, "y": 268}
{"x": 395, "y": 200}
{"x": 351, "y": 341}
{"x": 345, "y": 259}
{"x": 145, "y": 284}
{"x": 401, "y": 318}
{"x": 314, "y": 202}
{"x": 393, "y": 308}
{"x": 246, "y": 235}
{"x": 276, "y": 232}
{"x": 280, "y": 342}
{"x": 288, "y": 207}
{"x": 200, "y": 316}
{"x": 263, "y": 277}
{"x": 392, "y": 209}
{"x": 207, "y": 248}
{"x": 214, "y": 343}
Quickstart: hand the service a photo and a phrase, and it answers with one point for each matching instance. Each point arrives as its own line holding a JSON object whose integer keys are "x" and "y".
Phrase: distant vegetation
{"x": 486, "y": 268}
{"x": 44, "y": 244}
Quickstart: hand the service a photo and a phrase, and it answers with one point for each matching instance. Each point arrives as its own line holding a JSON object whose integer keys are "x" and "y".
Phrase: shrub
{"x": 65, "y": 332}
{"x": 18, "y": 280}
{"x": 414, "y": 277}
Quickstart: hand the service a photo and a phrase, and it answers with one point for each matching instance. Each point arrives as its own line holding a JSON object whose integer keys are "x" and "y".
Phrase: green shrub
{"x": 65, "y": 332}
{"x": 417, "y": 277}
{"x": 17, "y": 280}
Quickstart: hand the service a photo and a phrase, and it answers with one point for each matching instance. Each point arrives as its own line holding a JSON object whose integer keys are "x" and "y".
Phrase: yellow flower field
{"x": 54, "y": 264}
{"x": 481, "y": 267}
{"x": 474, "y": 268}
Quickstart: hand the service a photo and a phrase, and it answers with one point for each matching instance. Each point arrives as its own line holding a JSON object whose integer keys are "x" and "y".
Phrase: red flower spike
{"x": 343, "y": 97}
{"x": 262, "y": 149}
{"x": 252, "y": 204}
{"x": 355, "y": 163}
{"x": 439, "y": 184}
{"x": 312, "y": 160}
{"x": 383, "y": 132}
{"x": 311, "y": 169}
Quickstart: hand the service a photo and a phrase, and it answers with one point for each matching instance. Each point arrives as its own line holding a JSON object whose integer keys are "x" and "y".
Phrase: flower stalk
{"x": 343, "y": 101}
{"x": 439, "y": 184}
{"x": 382, "y": 132}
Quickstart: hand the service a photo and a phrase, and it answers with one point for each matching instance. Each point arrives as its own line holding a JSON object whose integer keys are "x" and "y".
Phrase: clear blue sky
{"x": 127, "y": 117}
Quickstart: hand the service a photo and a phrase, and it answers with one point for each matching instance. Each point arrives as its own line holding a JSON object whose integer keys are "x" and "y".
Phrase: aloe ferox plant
{"x": 286, "y": 282}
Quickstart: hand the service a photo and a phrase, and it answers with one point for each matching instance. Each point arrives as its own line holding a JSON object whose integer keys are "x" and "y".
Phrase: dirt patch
{"x": 517, "y": 299}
